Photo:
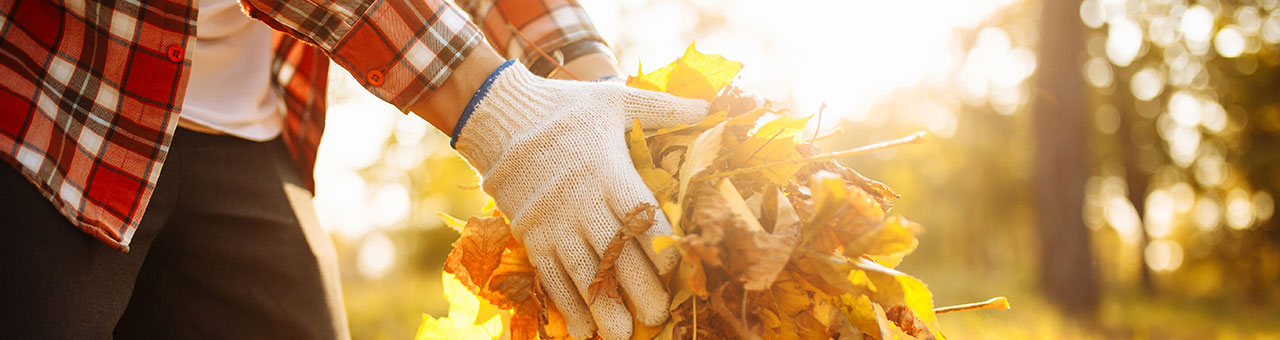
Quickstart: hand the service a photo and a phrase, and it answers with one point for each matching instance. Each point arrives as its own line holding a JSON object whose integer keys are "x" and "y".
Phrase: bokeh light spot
{"x": 1239, "y": 210}
{"x": 1163, "y": 256}
{"x": 1146, "y": 84}
{"x": 376, "y": 257}
{"x": 1229, "y": 42}
{"x": 1124, "y": 41}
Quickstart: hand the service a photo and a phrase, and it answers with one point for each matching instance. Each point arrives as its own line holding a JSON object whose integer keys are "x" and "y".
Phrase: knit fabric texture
{"x": 553, "y": 155}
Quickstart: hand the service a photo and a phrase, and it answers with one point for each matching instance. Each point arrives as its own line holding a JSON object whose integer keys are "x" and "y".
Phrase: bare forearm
{"x": 445, "y": 106}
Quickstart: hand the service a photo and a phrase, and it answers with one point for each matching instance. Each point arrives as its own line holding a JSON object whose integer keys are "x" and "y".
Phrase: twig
{"x": 535, "y": 47}
{"x": 839, "y": 130}
{"x": 999, "y": 302}
{"x": 914, "y": 138}
{"x": 817, "y": 127}
{"x": 766, "y": 143}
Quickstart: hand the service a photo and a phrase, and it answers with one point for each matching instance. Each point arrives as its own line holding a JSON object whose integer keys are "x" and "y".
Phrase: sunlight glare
{"x": 1122, "y": 216}
{"x": 1098, "y": 72}
{"x": 1163, "y": 256}
{"x": 390, "y": 204}
{"x": 338, "y": 192}
{"x": 1091, "y": 13}
{"x": 1160, "y": 211}
{"x": 1207, "y": 214}
{"x": 1146, "y": 84}
{"x": 1263, "y": 205}
{"x": 1239, "y": 209}
{"x": 376, "y": 256}
{"x": 1124, "y": 41}
{"x": 1229, "y": 42}
{"x": 1197, "y": 28}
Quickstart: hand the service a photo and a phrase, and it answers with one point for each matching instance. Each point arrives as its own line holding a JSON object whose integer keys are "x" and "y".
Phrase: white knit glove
{"x": 553, "y": 155}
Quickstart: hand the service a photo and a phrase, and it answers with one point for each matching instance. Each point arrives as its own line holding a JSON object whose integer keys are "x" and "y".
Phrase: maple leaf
{"x": 694, "y": 75}
{"x": 478, "y": 251}
{"x": 637, "y": 221}
{"x": 512, "y": 282}
{"x": 791, "y": 244}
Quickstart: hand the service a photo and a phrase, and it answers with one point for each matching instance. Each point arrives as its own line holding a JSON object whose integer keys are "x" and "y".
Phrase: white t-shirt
{"x": 229, "y": 89}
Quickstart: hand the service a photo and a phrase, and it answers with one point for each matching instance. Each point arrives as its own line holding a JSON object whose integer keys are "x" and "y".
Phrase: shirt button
{"x": 374, "y": 77}
{"x": 175, "y": 53}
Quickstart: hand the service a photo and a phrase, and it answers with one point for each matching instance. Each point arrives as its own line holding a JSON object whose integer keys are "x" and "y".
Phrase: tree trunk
{"x": 1134, "y": 175}
{"x": 1067, "y": 274}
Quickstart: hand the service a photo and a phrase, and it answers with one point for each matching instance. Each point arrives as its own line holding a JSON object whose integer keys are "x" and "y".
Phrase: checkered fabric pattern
{"x": 549, "y": 24}
{"x": 91, "y": 90}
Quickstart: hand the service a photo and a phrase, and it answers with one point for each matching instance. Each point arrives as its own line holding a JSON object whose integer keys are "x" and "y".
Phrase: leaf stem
{"x": 914, "y": 138}
{"x": 818, "y": 126}
{"x": 833, "y": 133}
{"x": 998, "y": 302}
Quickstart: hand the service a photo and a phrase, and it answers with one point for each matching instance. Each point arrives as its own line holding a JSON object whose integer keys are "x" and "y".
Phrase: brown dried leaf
{"x": 908, "y": 323}
{"x": 637, "y": 221}
{"x": 879, "y": 191}
{"x": 478, "y": 251}
{"x": 513, "y": 280}
{"x": 718, "y": 306}
{"x": 759, "y": 255}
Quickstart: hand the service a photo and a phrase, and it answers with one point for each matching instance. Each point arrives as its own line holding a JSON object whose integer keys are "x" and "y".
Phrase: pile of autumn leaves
{"x": 777, "y": 243}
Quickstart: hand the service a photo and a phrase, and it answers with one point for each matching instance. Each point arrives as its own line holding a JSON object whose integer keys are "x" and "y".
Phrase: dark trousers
{"x": 229, "y": 249}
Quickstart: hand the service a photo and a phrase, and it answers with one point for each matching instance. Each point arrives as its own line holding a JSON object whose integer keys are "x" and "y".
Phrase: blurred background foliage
{"x": 1168, "y": 109}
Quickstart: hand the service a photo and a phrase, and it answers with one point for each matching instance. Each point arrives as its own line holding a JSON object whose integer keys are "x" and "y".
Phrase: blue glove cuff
{"x": 475, "y": 100}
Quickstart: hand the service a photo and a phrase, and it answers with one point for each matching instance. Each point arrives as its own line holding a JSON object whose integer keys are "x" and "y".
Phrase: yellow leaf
{"x": 673, "y": 212}
{"x": 772, "y": 142}
{"x": 657, "y": 180}
{"x": 894, "y": 288}
{"x": 662, "y": 242}
{"x": 641, "y": 331}
{"x": 861, "y": 314}
{"x": 694, "y": 75}
{"x": 893, "y": 238}
{"x": 461, "y": 322}
{"x": 639, "y": 149}
{"x": 698, "y": 157}
{"x": 486, "y": 312}
{"x": 453, "y": 222}
{"x": 490, "y": 207}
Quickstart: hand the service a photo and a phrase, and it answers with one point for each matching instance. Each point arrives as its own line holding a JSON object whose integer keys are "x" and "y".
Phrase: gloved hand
{"x": 554, "y": 157}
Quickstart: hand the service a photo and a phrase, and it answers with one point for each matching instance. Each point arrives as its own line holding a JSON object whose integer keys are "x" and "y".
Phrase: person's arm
{"x": 552, "y": 153}
{"x": 551, "y": 32}
{"x": 402, "y": 51}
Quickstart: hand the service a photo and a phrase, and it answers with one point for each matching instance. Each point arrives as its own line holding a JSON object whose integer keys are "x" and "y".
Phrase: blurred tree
{"x": 1067, "y": 275}
{"x": 1136, "y": 176}
{"x": 1192, "y": 85}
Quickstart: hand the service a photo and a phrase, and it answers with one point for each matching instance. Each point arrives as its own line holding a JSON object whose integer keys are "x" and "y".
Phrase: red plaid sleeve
{"x": 89, "y": 97}
{"x": 401, "y": 50}
{"x": 549, "y": 24}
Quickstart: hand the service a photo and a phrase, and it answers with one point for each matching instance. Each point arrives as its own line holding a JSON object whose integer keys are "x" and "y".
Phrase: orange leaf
{"x": 478, "y": 251}
{"x": 512, "y": 281}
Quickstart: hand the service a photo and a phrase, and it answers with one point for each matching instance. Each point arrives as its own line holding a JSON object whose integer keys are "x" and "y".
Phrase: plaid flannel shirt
{"x": 91, "y": 90}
